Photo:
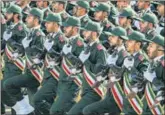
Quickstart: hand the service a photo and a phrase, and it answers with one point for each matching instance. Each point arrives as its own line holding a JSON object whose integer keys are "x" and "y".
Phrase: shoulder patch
{"x": 124, "y": 53}
{"x": 61, "y": 38}
{"x": 108, "y": 25}
{"x": 20, "y": 28}
{"x": 99, "y": 47}
{"x": 79, "y": 43}
{"x": 162, "y": 62}
{"x": 38, "y": 33}
{"x": 141, "y": 57}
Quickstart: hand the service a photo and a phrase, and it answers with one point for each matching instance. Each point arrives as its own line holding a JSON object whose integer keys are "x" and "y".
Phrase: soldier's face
{"x": 130, "y": 45}
{"x": 55, "y": 7}
{"x": 160, "y": 9}
{"x": 40, "y": 4}
{"x": 122, "y": 21}
{"x": 78, "y": 11}
{"x": 140, "y": 4}
{"x": 114, "y": 40}
{"x": 152, "y": 50}
{"x": 143, "y": 26}
{"x": 30, "y": 21}
{"x": 9, "y": 16}
{"x": 98, "y": 15}
{"x": 87, "y": 35}
{"x": 68, "y": 31}
{"x": 49, "y": 26}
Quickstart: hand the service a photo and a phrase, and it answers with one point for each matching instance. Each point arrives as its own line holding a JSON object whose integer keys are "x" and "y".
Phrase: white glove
{"x": 66, "y": 49}
{"x": 149, "y": 76}
{"x": 112, "y": 60}
{"x": 36, "y": 61}
{"x": 99, "y": 78}
{"x": 7, "y": 35}
{"x": 83, "y": 57}
{"x": 14, "y": 56}
{"x": 48, "y": 45}
{"x": 51, "y": 63}
{"x": 128, "y": 63}
{"x": 26, "y": 42}
{"x": 73, "y": 71}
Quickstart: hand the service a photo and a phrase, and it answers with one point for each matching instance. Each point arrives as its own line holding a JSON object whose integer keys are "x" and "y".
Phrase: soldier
{"x": 143, "y": 7}
{"x": 101, "y": 13}
{"x": 32, "y": 76}
{"x": 126, "y": 19}
{"x": 122, "y": 4}
{"x": 13, "y": 56}
{"x": 69, "y": 81}
{"x": 113, "y": 102}
{"x": 92, "y": 58}
{"x": 155, "y": 77}
{"x": 148, "y": 24}
{"x": 133, "y": 80}
{"x": 44, "y": 98}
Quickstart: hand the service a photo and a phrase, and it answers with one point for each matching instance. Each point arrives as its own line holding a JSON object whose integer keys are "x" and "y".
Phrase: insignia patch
{"x": 79, "y": 43}
{"x": 20, "y": 28}
{"x": 162, "y": 62}
{"x": 38, "y": 33}
{"x": 99, "y": 47}
{"x": 108, "y": 25}
{"x": 124, "y": 53}
{"x": 141, "y": 57}
{"x": 61, "y": 38}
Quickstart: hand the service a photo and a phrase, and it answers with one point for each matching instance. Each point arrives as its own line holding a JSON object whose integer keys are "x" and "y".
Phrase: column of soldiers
{"x": 83, "y": 58}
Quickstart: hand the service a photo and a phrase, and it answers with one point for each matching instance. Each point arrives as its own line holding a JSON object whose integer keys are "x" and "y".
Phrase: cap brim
{"x": 94, "y": 9}
{"x": 108, "y": 33}
{"x": 124, "y": 37}
{"x": 65, "y": 24}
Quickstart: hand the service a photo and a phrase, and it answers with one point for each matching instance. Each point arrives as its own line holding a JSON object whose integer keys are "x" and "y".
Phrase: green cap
{"x": 102, "y": 7}
{"x": 127, "y": 12}
{"x": 118, "y": 31}
{"x": 150, "y": 17}
{"x": 83, "y": 4}
{"x": 92, "y": 26}
{"x": 36, "y": 12}
{"x": 14, "y": 9}
{"x": 71, "y": 21}
{"x": 53, "y": 18}
{"x": 137, "y": 36}
{"x": 158, "y": 39}
{"x": 158, "y": 2}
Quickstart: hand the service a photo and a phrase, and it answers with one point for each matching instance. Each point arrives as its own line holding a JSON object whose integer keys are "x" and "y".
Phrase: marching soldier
{"x": 13, "y": 56}
{"x": 133, "y": 80}
{"x": 69, "y": 79}
{"x": 92, "y": 58}
{"x": 122, "y": 4}
{"x": 113, "y": 101}
{"x": 32, "y": 76}
{"x": 44, "y": 98}
{"x": 101, "y": 13}
{"x": 144, "y": 7}
{"x": 155, "y": 77}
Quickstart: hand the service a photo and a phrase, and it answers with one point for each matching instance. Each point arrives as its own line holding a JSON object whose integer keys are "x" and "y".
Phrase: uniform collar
{"x": 158, "y": 58}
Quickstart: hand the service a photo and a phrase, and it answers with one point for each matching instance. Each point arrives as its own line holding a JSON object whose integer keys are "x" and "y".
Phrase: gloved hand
{"x": 128, "y": 63}
{"x": 15, "y": 55}
{"x": 7, "y": 35}
{"x": 149, "y": 75}
{"x": 26, "y": 42}
{"x": 83, "y": 56}
{"x": 48, "y": 44}
{"x": 36, "y": 60}
{"x": 66, "y": 49}
{"x": 112, "y": 59}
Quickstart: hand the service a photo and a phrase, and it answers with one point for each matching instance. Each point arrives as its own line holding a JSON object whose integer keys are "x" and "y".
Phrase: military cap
{"x": 158, "y": 2}
{"x": 14, "y": 9}
{"x": 83, "y": 4}
{"x": 63, "y": 2}
{"x": 158, "y": 39}
{"x": 36, "y": 12}
{"x": 162, "y": 32}
{"x": 101, "y": 7}
{"x": 127, "y": 12}
{"x": 92, "y": 26}
{"x": 118, "y": 31}
{"x": 53, "y": 18}
{"x": 150, "y": 17}
{"x": 71, "y": 21}
{"x": 137, "y": 36}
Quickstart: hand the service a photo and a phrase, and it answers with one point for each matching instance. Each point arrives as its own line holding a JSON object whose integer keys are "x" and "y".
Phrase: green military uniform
{"x": 44, "y": 98}
{"x": 68, "y": 87}
{"x": 96, "y": 58}
{"x": 155, "y": 78}
{"x": 133, "y": 78}
{"x": 31, "y": 78}
{"x": 111, "y": 103}
{"x": 12, "y": 37}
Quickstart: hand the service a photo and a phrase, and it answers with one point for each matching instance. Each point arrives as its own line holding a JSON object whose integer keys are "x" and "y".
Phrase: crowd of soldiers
{"x": 82, "y": 57}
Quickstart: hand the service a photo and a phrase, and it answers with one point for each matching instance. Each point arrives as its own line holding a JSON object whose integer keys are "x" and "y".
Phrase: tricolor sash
{"x": 135, "y": 102}
{"x": 37, "y": 72}
{"x": 54, "y": 71}
{"x": 66, "y": 64}
{"x": 117, "y": 93}
{"x": 19, "y": 62}
{"x": 91, "y": 80}
{"x": 150, "y": 97}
